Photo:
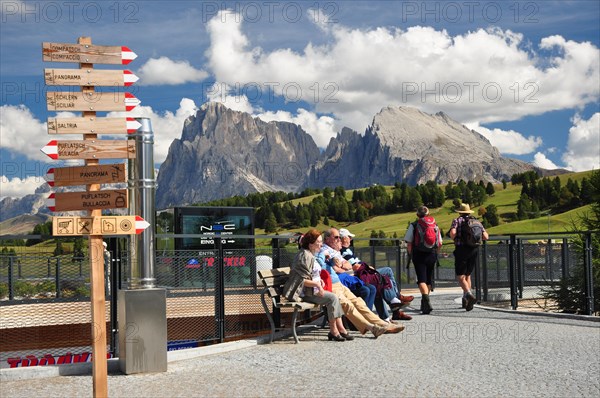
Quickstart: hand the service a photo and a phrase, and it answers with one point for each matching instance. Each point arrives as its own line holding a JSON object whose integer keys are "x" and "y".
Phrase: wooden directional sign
{"x": 83, "y": 175}
{"x": 88, "y": 200}
{"x": 87, "y": 53}
{"x": 103, "y": 225}
{"x": 93, "y": 125}
{"x": 90, "y": 149}
{"x": 89, "y": 77}
{"x": 93, "y": 101}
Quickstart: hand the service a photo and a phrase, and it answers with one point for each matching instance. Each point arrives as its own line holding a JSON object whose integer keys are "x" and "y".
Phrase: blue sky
{"x": 525, "y": 74}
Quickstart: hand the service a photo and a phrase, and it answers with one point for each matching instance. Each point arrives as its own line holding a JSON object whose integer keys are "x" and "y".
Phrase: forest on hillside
{"x": 276, "y": 210}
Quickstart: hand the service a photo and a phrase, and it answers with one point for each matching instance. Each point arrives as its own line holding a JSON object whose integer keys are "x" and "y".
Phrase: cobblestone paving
{"x": 449, "y": 353}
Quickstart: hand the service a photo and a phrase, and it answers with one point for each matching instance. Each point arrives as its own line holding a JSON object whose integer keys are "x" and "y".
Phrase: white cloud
{"x": 17, "y": 187}
{"x": 583, "y": 147}
{"x": 221, "y": 92}
{"x": 479, "y": 76}
{"x": 166, "y": 126}
{"x": 508, "y": 142}
{"x": 22, "y": 132}
{"x": 540, "y": 160}
{"x": 163, "y": 70}
{"x": 320, "y": 128}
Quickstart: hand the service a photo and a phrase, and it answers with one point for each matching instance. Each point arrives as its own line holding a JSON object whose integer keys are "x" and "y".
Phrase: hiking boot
{"x": 471, "y": 300}
{"x": 378, "y": 330}
{"x": 425, "y": 304}
{"x": 464, "y": 302}
{"x": 393, "y": 328}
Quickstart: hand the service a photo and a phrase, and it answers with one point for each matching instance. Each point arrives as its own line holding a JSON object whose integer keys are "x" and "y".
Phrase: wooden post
{"x": 98, "y": 302}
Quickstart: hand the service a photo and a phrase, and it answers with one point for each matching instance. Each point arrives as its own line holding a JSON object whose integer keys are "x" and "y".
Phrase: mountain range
{"x": 223, "y": 153}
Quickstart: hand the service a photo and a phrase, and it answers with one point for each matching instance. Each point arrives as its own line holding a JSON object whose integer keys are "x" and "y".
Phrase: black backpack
{"x": 471, "y": 232}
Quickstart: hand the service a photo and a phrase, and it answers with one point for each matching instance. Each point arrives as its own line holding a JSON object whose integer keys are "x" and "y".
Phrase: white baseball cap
{"x": 344, "y": 232}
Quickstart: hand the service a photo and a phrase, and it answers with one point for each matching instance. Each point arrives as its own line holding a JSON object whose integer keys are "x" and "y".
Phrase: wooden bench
{"x": 273, "y": 280}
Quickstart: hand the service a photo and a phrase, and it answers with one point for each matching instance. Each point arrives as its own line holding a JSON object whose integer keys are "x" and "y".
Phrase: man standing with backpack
{"x": 424, "y": 239}
{"x": 468, "y": 234}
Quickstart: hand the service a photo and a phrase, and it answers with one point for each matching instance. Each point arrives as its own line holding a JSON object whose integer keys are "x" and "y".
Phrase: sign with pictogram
{"x": 90, "y": 101}
{"x": 102, "y": 225}
{"x": 88, "y": 200}
{"x": 83, "y": 175}
{"x": 90, "y": 149}
{"x": 93, "y": 125}
{"x": 89, "y": 77}
{"x": 87, "y": 53}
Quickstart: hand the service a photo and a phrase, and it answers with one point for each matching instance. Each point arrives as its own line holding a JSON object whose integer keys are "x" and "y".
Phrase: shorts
{"x": 465, "y": 259}
{"x": 424, "y": 265}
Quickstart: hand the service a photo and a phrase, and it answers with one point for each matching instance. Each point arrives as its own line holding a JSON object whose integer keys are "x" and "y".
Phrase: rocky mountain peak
{"x": 404, "y": 144}
{"x": 223, "y": 153}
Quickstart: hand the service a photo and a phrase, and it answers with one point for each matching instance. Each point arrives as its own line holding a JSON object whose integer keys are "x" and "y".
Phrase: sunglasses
{"x": 336, "y": 237}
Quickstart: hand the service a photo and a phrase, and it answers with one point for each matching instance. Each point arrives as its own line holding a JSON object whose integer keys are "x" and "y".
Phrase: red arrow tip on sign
{"x": 51, "y": 149}
{"x": 129, "y": 78}
{"x": 131, "y": 101}
{"x": 140, "y": 224}
{"x": 50, "y": 202}
{"x": 132, "y": 125}
{"x": 50, "y": 177}
{"x": 127, "y": 55}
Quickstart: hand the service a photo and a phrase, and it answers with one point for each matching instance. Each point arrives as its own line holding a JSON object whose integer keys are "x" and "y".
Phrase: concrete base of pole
{"x": 142, "y": 330}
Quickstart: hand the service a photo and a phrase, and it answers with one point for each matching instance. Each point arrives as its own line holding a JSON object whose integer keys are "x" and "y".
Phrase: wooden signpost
{"x": 88, "y": 101}
{"x": 74, "y": 77}
{"x": 90, "y": 149}
{"x": 87, "y": 53}
{"x": 93, "y": 125}
{"x": 104, "y": 225}
{"x": 83, "y": 175}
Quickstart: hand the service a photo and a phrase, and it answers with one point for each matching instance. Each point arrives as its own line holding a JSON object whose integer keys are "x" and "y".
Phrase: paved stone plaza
{"x": 449, "y": 353}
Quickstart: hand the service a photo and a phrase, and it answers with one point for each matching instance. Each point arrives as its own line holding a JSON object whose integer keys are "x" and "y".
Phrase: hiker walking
{"x": 423, "y": 239}
{"x": 468, "y": 234}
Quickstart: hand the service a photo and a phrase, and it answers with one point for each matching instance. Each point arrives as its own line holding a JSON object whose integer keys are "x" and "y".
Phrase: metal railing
{"x": 213, "y": 294}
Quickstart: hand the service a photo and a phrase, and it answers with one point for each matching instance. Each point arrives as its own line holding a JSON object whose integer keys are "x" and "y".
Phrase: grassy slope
{"x": 504, "y": 199}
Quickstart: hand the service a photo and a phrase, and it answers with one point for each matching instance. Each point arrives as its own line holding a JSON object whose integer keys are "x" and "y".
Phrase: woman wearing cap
{"x": 305, "y": 282}
{"x": 465, "y": 257}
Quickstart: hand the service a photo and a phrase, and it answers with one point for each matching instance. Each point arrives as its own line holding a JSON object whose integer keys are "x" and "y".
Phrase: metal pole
{"x": 565, "y": 258}
{"x": 11, "y": 284}
{"x": 220, "y": 292}
{"x": 511, "y": 272}
{"x": 142, "y": 188}
{"x": 57, "y": 278}
{"x": 588, "y": 272}
{"x": 144, "y": 349}
{"x": 484, "y": 272}
{"x": 521, "y": 267}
